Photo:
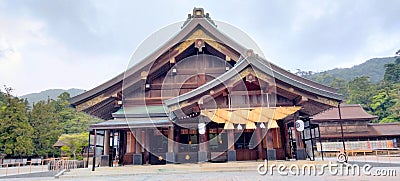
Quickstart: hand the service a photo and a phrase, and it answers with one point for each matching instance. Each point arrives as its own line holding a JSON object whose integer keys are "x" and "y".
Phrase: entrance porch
{"x": 186, "y": 143}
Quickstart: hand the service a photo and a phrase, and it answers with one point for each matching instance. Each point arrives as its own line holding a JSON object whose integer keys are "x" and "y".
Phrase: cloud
{"x": 24, "y": 34}
{"x": 32, "y": 60}
{"x": 62, "y": 44}
{"x": 344, "y": 31}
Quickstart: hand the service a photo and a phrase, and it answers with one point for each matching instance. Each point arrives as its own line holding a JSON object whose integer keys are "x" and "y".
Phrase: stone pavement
{"x": 206, "y": 167}
{"x": 210, "y": 171}
{"x": 215, "y": 171}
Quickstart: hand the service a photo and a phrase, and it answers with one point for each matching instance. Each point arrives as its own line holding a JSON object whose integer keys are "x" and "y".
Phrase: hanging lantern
{"x": 272, "y": 124}
{"x": 299, "y": 125}
{"x": 228, "y": 125}
{"x": 250, "y": 125}
{"x": 202, "y": 128}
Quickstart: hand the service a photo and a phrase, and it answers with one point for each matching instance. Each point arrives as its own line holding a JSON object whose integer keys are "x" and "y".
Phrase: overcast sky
{"x": 81, "y": 44}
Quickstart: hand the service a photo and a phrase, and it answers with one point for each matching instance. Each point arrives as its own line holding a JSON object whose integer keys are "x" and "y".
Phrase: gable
{"x": 292, "y": 91}
{"x": 143, "y": 83}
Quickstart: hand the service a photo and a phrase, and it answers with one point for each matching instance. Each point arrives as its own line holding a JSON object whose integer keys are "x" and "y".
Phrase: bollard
{"x": 30, "y": 167}
{"x": 18, "y": 167}
{"x": 6, "y": 169}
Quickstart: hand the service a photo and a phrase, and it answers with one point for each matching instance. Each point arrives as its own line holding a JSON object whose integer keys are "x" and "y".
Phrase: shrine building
{"x": 203, "y": 96}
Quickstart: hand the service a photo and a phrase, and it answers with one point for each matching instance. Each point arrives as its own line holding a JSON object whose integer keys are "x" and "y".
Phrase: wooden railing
{"x": 37, "y": 165}
{"x": 65, "y": 164}
{"x": 382, "y": 155}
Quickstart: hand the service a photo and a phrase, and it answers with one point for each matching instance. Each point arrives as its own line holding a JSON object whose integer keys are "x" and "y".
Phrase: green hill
{"x": 51, "y": 93}
{"x": 374, "y": 68}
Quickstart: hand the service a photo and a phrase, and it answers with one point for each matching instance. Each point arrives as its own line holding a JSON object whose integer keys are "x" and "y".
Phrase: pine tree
{"x": 71, "y": 120}
{"x": 44, "y": 120}
{"x": 15, "y": 130}
{"x": 361, "y": 91}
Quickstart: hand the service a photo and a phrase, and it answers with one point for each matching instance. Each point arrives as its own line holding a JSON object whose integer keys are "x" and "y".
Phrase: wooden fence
{"x": 24, "y": 166}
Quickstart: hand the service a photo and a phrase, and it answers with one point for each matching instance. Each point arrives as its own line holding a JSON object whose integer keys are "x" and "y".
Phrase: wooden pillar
{"x": 133, "y": 142}
{"x": 137, "y": 146}
{"x": 299, "y": 141}
{"x": 146, "y": 145}
{"x": 205, "y": 138}
{"x": 270, "y": 141}
{"x": 112, "y": 148}
{"x": 231, "y": 139}
{"x": 231, "y": 145}
{"x": 203, "y": 147}
{"x": 277, "y": 138}
{"x": 287, "y": 141}
{"x": 143, "y": 139}
{"x": 257, "y": 133}
{"x": 172, "y": 145}
{"x": 138, "y": 136}
{"x": 203, "y": 142}
{"x": 130, "y": 142}
{"x": 176, "y": 146}
{"x": 106, "y": 142}
{"x": 171, "y": 139}
{"x": 88, "y": 150}
{"x": 94, "y": 149}
{"x": 122, "y": 145}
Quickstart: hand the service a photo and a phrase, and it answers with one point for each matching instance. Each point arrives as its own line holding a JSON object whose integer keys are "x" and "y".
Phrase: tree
{"x": 341, "y": 85}
{"x": 63, "y": 97}
{"x": 52, "y": 118}
{"x": 44, "y": 120}
{"x": 392, "y": 71}
{"x": 71, "y": 120}
{"x": 394, "y": 109}
{"x": 361, "y": 92}
{"x": 74, "y": 143}
{"x": 26, "y": 131}
{"x": 15, "y": 130}
{"x": 381, "y": 104}
{"x": 386, "y": 103}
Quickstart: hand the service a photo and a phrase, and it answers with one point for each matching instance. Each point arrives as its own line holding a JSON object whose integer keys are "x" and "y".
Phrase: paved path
{"x": 218, "y": 171}
{"x": 24, "y": 169}
{"x": 207, "y": 167}
{"x": 213, "y": 171}
{"x": 221, "y": 176}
